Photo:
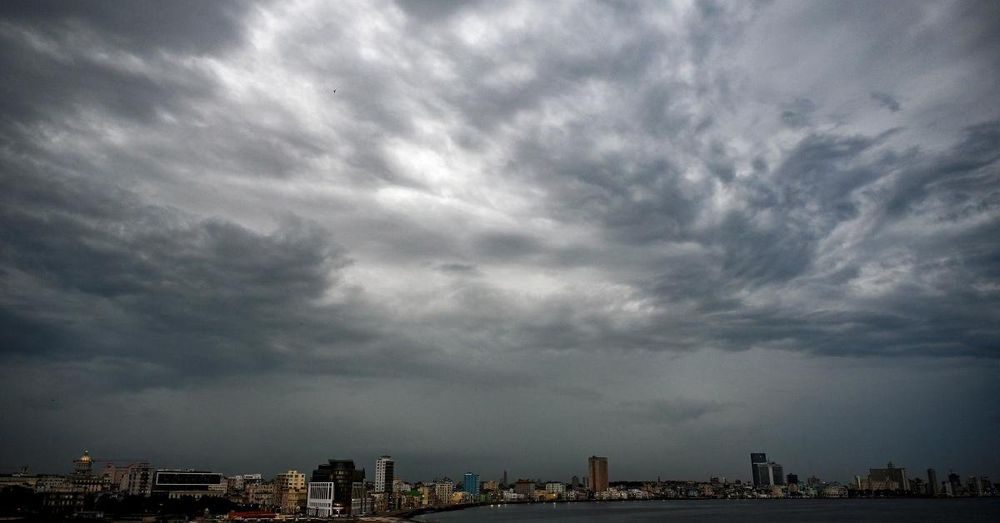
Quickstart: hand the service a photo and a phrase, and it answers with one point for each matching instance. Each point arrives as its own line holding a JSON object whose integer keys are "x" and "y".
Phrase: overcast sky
{"x": 501, "y": 235}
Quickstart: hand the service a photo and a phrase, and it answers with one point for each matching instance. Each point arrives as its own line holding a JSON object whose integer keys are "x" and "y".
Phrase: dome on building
{"x": 82, "y": 465}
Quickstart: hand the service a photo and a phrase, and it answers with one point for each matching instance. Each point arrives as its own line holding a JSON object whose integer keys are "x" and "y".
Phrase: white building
{"x": 555, "y": 487}
{"x": 320, "y": 500}
{"x": 384, "y": 468}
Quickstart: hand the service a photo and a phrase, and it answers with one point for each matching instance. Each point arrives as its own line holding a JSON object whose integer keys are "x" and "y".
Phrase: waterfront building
{"x": 834, "y": 491}
{"x": 598, "y": 470}
{"x": 769, "y": 474}
{"x": 974, "y": 486}
{"x": 319, "y": 502}
{"x": 954, "y": 484}
{"x": 765, "y": 473}
{"x": 442, "y": 491}
{"x": 525, "y": 487}
{"x": 343, "y": 475}
{"x": 756, "y": 460}
{"x": 470, "y": 484}
{"x": 889, "y": 478}
{"x": 555, "y": 487}
{"x": 933, "y": 488}
{"x": 385, "y": 469}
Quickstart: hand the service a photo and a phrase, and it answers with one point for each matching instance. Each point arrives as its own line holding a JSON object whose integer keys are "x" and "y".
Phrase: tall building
{"x": 756, "y": 460}
{"x": 889, "y": 478}
{"x": 765, "y": 473}
{"x": 384, "y": 474}
{"x": 932, "y": 484}
{"x": 470, "y": 483}
{"x": 954, "y": 485}
{"x": 598, "y": 467}
{"x": 777, "y": 473}
{"x": 342, "y": 474}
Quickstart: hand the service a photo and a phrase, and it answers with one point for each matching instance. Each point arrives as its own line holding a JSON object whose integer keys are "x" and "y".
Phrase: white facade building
{"x": 555, "y": 487}
{"x": 320, "y": 500}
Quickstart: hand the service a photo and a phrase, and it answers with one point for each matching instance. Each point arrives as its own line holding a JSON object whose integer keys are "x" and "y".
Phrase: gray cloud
{"x": 887, "y": 100}
{"x": 550, "y": 209}
{"x": 670, "y": 411}
{"x": 798, "y": 113}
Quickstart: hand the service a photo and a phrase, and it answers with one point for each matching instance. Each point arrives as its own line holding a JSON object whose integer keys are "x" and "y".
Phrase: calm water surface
{"x": 807, "y": 510}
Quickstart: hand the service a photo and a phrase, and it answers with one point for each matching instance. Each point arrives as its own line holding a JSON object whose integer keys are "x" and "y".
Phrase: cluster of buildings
{"x": 879, "y": 482}
{"x": 338, "y": 487}
{"x": 892, "y": 481}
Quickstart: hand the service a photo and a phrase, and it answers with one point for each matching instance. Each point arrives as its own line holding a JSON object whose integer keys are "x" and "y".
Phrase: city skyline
{"x": 499, "y": 236}
{"x": 340, "y": 487}
{"x": 595, "y": 465}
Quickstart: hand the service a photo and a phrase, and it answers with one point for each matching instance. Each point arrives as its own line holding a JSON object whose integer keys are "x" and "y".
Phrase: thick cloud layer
{"x": 399, "y": 228}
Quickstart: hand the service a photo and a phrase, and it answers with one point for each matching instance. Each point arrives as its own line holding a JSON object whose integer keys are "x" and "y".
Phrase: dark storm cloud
{"x": 185, "y": 26}
{"x": 521, "y": 201}
{"x": 92, "y": 273}
{"x": 887, "y": 100}
{"x": 58, "y": 57}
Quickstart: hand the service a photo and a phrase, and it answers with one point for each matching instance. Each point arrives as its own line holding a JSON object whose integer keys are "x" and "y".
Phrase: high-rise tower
{"x": 470, "y": 483}
{"x": 384, "y": 474}
{"x": 757, "y": 459}
{"x": 598, "y": 467}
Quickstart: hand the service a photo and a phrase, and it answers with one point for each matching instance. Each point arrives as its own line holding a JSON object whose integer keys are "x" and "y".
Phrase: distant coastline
{"x": 849, "y": 505}
{"x": 409, "y": 515}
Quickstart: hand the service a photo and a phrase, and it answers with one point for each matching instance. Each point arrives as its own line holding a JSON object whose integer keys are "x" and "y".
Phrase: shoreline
{"x": 409, "y": 516}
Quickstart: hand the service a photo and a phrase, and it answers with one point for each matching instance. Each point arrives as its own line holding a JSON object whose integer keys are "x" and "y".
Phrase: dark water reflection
{"x": 851, "y": 510}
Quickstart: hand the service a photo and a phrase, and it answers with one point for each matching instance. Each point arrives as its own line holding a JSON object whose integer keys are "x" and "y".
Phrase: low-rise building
{"x": 319, "y": 501}
{"x": 175, "y": 483}
{"x": 290, "y": 491}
